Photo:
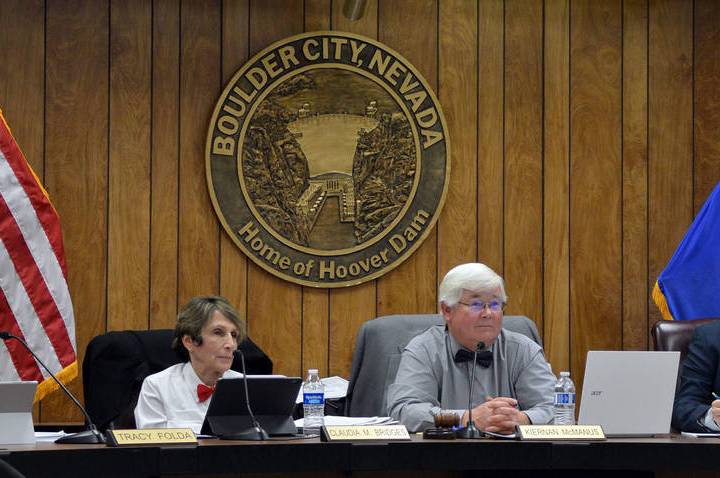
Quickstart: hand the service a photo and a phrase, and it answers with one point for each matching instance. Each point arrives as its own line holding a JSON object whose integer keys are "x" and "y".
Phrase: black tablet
{"x": 272, "y": 400}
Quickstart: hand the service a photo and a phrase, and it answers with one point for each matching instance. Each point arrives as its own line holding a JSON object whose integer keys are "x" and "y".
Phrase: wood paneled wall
{"x": 585, "y": 137}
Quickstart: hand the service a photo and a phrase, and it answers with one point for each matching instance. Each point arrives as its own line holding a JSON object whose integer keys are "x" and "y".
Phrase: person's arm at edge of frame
{"x": 692, "y": 402}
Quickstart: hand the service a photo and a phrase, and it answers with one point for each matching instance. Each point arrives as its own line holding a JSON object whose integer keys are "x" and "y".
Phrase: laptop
{"x": 272, "y": 399}
{"x": 629, "y": 393}
{"x": 16, "y": 412}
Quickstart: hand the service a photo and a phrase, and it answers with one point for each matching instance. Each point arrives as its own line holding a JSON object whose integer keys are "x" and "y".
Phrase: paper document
{"x": 335, "y": 387}
{"x": 509, "y": 436}
{"x": 344, "y": 421}
{"x": 49, "y": 436}
{"x": 700, "y": 435}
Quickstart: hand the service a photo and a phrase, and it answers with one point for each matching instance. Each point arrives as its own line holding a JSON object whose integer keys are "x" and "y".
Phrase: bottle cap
{"x": 564, "y": 374}
{"x": 312, "y": 370}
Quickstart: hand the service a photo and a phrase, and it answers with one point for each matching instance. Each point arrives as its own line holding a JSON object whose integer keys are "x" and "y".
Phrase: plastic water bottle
{"x": 313, "y": 403}
{"x": 564, "y": 408}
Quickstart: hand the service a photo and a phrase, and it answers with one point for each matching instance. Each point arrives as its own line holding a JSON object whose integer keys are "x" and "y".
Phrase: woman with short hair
{"x": 207, "y": 333}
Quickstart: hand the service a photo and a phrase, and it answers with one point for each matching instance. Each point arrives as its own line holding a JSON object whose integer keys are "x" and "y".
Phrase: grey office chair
{"x": 378, "y": 347}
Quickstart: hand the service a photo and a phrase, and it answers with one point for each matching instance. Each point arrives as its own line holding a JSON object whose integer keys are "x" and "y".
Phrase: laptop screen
{"x": 17, "y": 397}
{"x": 629, "y": 393}
{"x": 16, "y": 421}
{"x": 272, "y": 399}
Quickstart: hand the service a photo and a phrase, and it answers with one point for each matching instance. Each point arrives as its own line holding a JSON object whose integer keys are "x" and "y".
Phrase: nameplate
{"x": 152, "y": 436}
{"x": 335, "y": 433}
{"x": 561, "y": 432}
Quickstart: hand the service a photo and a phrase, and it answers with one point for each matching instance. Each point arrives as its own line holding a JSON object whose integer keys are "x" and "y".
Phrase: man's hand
{"x": 499, "y": 415}
{"x": 715, "y": 410}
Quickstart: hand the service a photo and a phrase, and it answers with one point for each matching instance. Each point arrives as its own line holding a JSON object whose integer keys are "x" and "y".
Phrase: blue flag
{"x": 689, "y": 287}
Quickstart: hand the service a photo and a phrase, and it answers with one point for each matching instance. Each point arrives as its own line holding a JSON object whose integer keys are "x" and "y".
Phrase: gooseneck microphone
{"x": 256, "y": 432}
{"x": 89, "y": 436}
{"x": 471, "y": 431}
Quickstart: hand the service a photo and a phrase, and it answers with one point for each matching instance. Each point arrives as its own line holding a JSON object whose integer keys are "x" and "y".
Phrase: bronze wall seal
{"x": 328, "y": 159}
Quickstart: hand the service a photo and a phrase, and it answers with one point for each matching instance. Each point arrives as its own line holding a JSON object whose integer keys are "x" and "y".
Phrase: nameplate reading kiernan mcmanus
{"x": 328, "y": 159}
{"x": 561, "y": 432}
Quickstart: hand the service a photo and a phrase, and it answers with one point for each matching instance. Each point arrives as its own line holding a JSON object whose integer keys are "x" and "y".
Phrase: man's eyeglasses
{"x": 479, "y": 306}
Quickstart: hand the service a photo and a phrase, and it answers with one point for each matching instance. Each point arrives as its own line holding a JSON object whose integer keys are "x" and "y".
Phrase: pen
{"x": 715, "y": 396}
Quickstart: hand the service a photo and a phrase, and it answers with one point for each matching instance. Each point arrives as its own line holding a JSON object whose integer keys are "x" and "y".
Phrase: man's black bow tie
{"x": 484, "y": 358}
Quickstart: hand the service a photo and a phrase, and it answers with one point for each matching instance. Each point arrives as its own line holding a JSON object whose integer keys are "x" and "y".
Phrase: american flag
{"x": 35, "y": 301}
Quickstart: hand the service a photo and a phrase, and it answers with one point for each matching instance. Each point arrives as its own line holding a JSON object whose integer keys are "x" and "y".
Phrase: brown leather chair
{"x": 675, "y": 335}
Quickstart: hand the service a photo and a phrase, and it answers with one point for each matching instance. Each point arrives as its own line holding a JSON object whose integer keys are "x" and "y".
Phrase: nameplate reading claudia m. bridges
{"x": 328, "y": 159}
{"x": 334, "y": 433}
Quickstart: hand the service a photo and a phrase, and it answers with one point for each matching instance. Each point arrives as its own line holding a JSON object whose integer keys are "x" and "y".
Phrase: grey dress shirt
{"x": 428, "y": 379}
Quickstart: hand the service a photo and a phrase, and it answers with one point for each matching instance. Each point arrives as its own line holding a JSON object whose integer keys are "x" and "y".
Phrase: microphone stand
{"x": 87, "y": 437}
{"x": 471, "y": 431}
{"x": 256, "y": 432}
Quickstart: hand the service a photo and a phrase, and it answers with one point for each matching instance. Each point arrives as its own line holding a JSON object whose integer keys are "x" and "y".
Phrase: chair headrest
{"x": 675, "y": 335}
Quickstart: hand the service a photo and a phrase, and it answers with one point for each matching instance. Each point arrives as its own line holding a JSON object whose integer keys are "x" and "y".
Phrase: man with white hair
{"x": 514, "y": 384}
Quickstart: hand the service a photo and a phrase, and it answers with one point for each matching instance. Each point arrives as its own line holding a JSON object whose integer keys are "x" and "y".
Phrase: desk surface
{"x": 672, "y": 453}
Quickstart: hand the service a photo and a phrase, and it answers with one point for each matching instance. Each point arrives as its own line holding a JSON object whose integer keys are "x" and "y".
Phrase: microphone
{"x": 87, "y": 437}
{"x": 256, "y": 432}
{"x": 471, "y": 431}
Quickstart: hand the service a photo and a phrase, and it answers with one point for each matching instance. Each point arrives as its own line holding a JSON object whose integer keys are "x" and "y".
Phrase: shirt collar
{"x": 497, "y": 345}
{"x": 191, "y": 379}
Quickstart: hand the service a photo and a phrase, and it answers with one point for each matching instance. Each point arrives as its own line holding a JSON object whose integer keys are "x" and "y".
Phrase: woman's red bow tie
{"x": 204, "y": 392}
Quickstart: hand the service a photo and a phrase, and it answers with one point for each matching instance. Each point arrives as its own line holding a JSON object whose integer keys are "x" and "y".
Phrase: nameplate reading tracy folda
{"x": 152, "y": 436}
{"x": 328, "y": 159}
{"x": 335, "y": 433}
{"x": 561, "y": 432}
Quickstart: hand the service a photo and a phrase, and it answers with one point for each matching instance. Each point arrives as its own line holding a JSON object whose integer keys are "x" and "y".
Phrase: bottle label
{"x": 564, "y": 398}
{"x": 313, "y": 398}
